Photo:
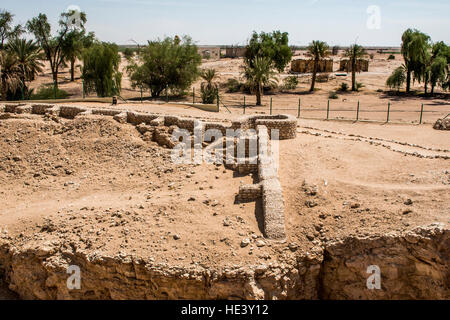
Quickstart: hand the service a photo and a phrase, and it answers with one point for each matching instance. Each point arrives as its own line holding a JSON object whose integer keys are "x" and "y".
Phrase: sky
{"x": 231, "y": 22}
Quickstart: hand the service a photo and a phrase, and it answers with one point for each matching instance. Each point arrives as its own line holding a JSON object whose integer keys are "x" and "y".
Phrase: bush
{"x": 333, "y": 95}
{"x": 290, "y": 83}
{"x": 128, "y": 53}
{"x": 343, "y": 87}
{"x": 397, "y": 78}
{"x": 233, "y": 85}
{"x": 47, "y": 92}
{"x": 101, "y": 69}
{"x": 169, "y": 63}
{"x": 391, "y": 57}
{"x": 359, "y": 85}
{"x": 372, "y": 56}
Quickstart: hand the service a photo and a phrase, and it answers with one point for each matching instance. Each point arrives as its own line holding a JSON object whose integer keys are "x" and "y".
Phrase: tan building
{"x": 235, "y": 52}
{"x": 209, "y": 52}
{"x": 362, "y": 65}
{"x": 307, "y": 66}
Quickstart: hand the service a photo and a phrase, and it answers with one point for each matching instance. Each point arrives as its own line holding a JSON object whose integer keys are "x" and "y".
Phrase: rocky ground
{"x": 91, "y": 189}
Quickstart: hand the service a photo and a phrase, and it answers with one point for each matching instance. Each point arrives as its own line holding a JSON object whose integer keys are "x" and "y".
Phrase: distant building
{"x": 307, "y": 66}
{"x": 209, "y": 52}
{"x": 362, "y": 65}
{"x": 235, "y": 52}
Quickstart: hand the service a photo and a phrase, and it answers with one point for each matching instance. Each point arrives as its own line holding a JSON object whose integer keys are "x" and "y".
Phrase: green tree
{"x": 169, "y": 63}
{"x": 209, "y": 89}
{"x": 128, "y": 53}
{"x": 73, "y": 45}
{"x": 437, "y": 66}
{"x": 259, "y": 73}
{"x": 53, "y": 45}
{"x": 274, "y": 46}
{"x": 354, "y": 53}
{"x": 100, "y": 70}
{"x": 415, "y": 46}
{"x": 318, "y": 50}
{"x": 9, "y": 74}
{"x": 28, "y": 56}
{"x": 7, "y": 30}
{"x": 397, "y": 78}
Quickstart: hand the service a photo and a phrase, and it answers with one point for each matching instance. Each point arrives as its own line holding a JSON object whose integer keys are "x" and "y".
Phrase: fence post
{"x": 421, "y": 114}
{"x": 299, "y": 107}
{"x": 141, "y": 94}
{"x": 328, "y": 110}
{"x": 218, "y": 102}
{"x": 270, "y": 105}
{"x": 54, "y": 88}
{"x": 244, "y": 104}
{"x": 389, "y": 109}
{"x": 84, "y": 95}
{"x": 357, "y": 112}
{"x": 193, "y": 95}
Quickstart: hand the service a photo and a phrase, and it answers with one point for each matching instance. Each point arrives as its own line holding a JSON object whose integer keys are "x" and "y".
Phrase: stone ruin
{"x": 442, "y": 124}
{"x": 159, "y": 128}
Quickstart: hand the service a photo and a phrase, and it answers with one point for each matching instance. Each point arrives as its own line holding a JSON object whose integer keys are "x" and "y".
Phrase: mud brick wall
{"x": 40, "y": 108}
{"x": 138, "y": 118}
{"x": 286, "y": 124}
{"x": 362, "y": 65}
{"x": 307, "y": 65}
{"x": 249, "y": 192}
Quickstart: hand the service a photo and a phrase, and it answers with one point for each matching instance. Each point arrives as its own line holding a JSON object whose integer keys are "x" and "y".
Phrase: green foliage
{"x": 317, "y": 50}
{"x": 290, "y": 83}
{"x": 209, "y": 89}
{"x": 167, "y": 63}
{"x": 7, "y": 30}
{"x": 47, "y": 92}
{"x": 233, "y": 85}
{"x": 391, "y": 57}
{"x": 9, "y": 74}
{"x": 333, "y": 95}
{"x": 415, "y": 47}
{"x": 397, "y": 78}
{"x": 335, "y": 50}
{"x": 359, "y": 86}
{"x": 259, "y": 73}
{"x": 354, "y": 52}
{"x": 128, "y": 53}
{"x": 343, "y": 87}
{"x": 273, "y": 46}
{"x": 100, "y": 70}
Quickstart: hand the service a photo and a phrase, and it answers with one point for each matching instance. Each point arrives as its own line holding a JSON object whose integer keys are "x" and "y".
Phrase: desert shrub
{"x": 128, "y": 53}
{"x": 397, "y": 78}
{"x": 209, "y": 89}
{"x": 169, "y": 63}
{"x": 391, "y": 57}
{"x": 343, "y": 87}
{"x": 359, "y": 86}
{"x": 47, "y": 92}
{"x": 333, "y": 95}
{"x": 233, "y": 85}
{"x": 290, "y": 83}
{"x": 380, "y": 90}
{"x": 372, "y": 56}
{"x": 100, "y": 70}
{"x": 323, "y": 77}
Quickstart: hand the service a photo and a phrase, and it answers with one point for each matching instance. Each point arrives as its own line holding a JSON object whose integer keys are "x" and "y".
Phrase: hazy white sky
{"x": 229, "y": 22}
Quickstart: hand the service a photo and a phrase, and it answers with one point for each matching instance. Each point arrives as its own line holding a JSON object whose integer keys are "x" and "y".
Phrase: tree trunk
{"x": 72, "y": 71}
{"x": 408, "y": 81}
{"x": 426, "y": 84}
{"x": 314, "y": 75}
{"x": 432, "y": 89}
{"x": 55, "y": 77}
{"x": 353, "y": 75}
{"x": 258, "y": 94}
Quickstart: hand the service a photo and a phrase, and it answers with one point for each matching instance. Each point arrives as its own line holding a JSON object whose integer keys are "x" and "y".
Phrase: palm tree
{"x": 9, "y": 74}
{"x": 72, "y": 49}
{"x": 318, "y": 50}
{"x": 354, "y": 53}
{"x": 209, "y": 89}
{"x": 28, "y": 56}
{"x": 259, "y": 73}
{"x": 415, "y": 45}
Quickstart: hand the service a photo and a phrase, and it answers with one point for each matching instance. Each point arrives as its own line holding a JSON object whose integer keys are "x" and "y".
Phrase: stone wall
{"x": 307, "y": 66}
